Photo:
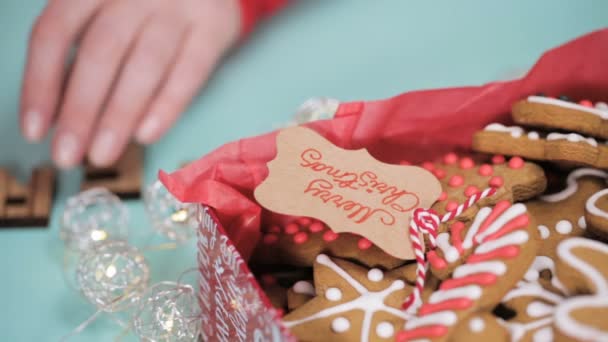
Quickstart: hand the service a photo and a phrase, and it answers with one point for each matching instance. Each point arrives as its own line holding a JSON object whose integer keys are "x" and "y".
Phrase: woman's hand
{"x": 138, "y": 65}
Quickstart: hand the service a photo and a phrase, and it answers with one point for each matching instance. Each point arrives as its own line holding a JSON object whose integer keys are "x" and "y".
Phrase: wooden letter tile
{"x": 27, "y": 206}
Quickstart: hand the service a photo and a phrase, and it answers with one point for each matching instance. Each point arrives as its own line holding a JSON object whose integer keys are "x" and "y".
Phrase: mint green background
{"x": 344, "y": 49}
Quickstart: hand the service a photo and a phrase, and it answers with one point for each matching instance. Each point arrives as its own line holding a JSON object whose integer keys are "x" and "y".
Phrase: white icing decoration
{"x": 563, "y": 321}
{"x": 476, "y": 324}
{"x": 445, "y": 317}
{"x": 469, "y": 291}
{"x": 340, "y": 325}
{"x": 543, "y": 335}
{"x": 385, "y": 330}
{"x": 591, "y": 206}
{"x": 569, "y": 105}
{"x": 572, "y": 137}
{"x": 602, "y": 106}
{"x": 511, "y": 213}
{"x": 369, "y": 301}
{"x": 333, "y": 294}
{"x": 539, "y": 309}
{"x": 544, "y": 231}
{"x": 517, "y": 237}
{"x": 572, "y": 185}
{"x": 563, "y": 227}
{"x": 514, "y": 131}
{"x": 518, "y": 330}
{"x": 304, "y": 287}
{"x": 450, "y": 253}
{"x": 495, "y": 266}
{"x": 582, "y": 223}
{"x": 481, "y": 216}
{"x": 375, "y": 275}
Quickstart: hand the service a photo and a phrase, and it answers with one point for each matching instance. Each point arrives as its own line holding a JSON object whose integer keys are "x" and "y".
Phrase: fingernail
{"x": 103, "y": 148}
{"x": 67, "y": 150}
{"x": 148, "y": 129}
{"x": 32, "y": 126}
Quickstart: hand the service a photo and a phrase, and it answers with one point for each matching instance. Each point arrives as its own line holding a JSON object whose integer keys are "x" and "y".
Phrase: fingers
{"x": 143, "y": 72}
{"x": 99, "y": 58}
{"x": 50, "y": 42}
{"x": 193, "y": 67}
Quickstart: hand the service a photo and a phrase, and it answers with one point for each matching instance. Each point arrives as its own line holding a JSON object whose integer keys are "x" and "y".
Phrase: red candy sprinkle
{"x": 428, "y": 166}
{"x": 456, "y": 181}
{"x": 270, "y": 239}
{"x": 329, "y": 236}
{"x": 268, "y": 279}
{"x": 274, "y": 229}
{"x": 485, "y": 170}
{"x": 516, "y": 163}
{"x": 450, "y": 158}
{"x": 586, "y": 103}
{"x": 292, "y": 228}
{"x": 443, "y": 196}
{"x": 498, "y": 159}
{"x": 304, "y": 221}
{"x": 364, "y": 244}
{"x": 496, "y": 182}
{"x": 471, "y": 190}
{"x": 451, "y": 206}
{"x": 467, "y": 163}
{"x": 300, "y": 238}
{"x": 439, "y": 173}
{"x": 316, "y": 227}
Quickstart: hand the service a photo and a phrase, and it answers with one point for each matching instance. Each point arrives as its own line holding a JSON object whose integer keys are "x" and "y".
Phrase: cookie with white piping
{"x": 480, "y": 262}
{"x": 483, "y": 326}
{"x": 562, "y": 214}
{"x": 596, "y": 215}
{"x": 300, "y": 293}
{"x": 584, "y": 117}
{"x": 352, "y": 303}
{"x": 463, "y": 176}
{"x": 562, "y": 148}
{"x": 300, "y": 240}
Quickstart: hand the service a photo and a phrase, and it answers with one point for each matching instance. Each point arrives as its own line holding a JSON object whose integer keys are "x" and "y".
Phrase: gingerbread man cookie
{"x": 301, "y": 240}
{"x": 487, "y": 259}
{"x": 352, "y": 303}
{"x": 462, "y": 177}
{"x": 596, "y": 214}
{"x": 565, "y": 148}
{"x": 562, "y": 214}
{"x": 584, "y": 117}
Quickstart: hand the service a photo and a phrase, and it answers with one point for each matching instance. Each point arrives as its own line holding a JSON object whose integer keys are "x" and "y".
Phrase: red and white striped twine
{"x": 426, "y": 221}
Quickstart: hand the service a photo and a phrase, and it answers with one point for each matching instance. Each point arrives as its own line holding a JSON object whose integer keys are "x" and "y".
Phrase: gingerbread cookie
{"x": 564, "y": 148}
{"x": 583, "y": 271}
{"x": 584, "y": 116}
{"x": 300, "y": 293}
{"x": 462, "y": 177}
{"x": 352, "y": 303}
{"x": 301, "y": 240}
{"x": 562, "y": 214}
{"x": 488, "y": 257}
{"x": 481, "y": 327}
{"x": 596, "y": 214}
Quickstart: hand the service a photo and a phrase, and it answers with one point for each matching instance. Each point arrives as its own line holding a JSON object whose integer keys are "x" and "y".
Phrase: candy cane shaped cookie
{"x": 487, "y": 259}
{"x": 596, "y": 214}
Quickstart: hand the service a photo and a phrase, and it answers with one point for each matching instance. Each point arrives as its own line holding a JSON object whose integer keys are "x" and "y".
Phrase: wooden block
{"x": 30, "y": 205}
{"x": 124, "y": 178}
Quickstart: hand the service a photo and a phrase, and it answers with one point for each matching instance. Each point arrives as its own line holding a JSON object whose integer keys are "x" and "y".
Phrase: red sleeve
{"x": 252, "y": 11}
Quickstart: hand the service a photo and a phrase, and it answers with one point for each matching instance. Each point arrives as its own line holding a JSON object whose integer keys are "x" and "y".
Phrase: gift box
{"x": 412, "y": 127}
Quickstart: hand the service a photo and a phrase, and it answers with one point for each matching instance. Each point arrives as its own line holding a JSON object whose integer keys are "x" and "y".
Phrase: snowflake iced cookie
{"x": 352, "y": 303}
{"x": 301, "y": 240}
{"x": 596, "y": 214}
{"x": 563, "y": 148}
{"x": 487, "y": 258}
{"x": 551, "y": 113}
{"x": 576, "y": 308}
{"x": 562, "y": 214}
{"x": 462, "y": 177}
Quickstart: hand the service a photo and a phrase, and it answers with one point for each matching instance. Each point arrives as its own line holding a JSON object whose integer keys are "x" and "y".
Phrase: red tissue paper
{"x": 412, "y": 126}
